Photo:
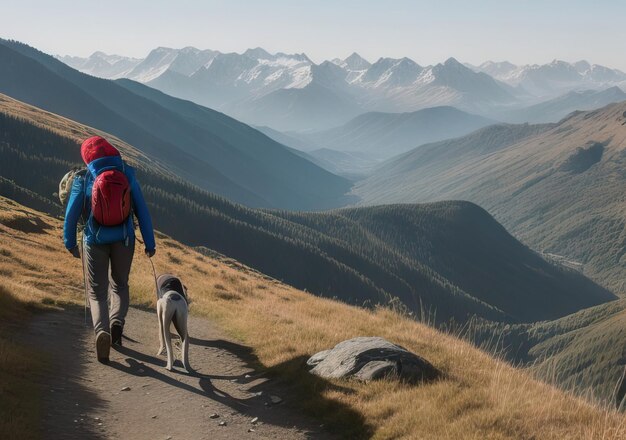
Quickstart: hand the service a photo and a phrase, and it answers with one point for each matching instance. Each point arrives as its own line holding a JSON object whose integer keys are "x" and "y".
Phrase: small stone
{"x": 125, "y": 389}
{"x": 250, "y": 430}
{"x": 247, "y": 376}
{"x": 97, "y": 419}
{"x": 253, "y": 421}
{"x": 154, "y": 416}
{"x": 99, "y": 424}
{"x": 141, "y": 370}
{"x": 222, "y": 423}
{"x": 169, "y": 437}
{"x": 214, "y": 416}
{"x": 275, "y": 400}
{"x": 75, "y": 421}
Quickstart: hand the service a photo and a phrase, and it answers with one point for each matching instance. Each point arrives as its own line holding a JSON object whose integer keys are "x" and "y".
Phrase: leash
{"x": 156, "y": 285}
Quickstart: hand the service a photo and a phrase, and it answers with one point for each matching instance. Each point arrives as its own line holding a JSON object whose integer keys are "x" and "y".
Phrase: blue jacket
{"x": 80, "y": 204}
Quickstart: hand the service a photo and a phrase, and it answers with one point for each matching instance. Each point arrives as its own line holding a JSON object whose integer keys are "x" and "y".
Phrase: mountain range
{"x": 553, "y": 78}
{"x": 205, "y": 147}
{"x": 290, "y": 92}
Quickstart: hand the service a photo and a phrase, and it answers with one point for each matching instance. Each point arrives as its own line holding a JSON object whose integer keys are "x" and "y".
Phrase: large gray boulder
{"x": 369, "y": 358}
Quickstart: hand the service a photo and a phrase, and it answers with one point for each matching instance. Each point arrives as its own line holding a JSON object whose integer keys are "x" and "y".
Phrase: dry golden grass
{"x": 479, "y": 398}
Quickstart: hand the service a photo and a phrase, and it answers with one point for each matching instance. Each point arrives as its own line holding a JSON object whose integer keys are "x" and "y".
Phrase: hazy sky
{"x": 533, "y": 31}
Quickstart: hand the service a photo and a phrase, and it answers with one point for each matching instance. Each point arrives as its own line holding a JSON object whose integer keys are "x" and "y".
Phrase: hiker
{"x": 107, "y": 198}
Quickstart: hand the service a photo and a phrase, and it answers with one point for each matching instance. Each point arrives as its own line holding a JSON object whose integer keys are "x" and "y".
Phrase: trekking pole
{"x": 82, "y": 260}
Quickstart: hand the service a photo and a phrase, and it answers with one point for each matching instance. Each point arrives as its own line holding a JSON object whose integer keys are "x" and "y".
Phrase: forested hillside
{"x": 584, "y": 352}
{"x": 448, "y": 260}
{"x": 560, "y": 188}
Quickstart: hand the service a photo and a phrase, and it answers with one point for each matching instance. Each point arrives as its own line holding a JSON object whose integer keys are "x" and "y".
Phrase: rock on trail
{"x": 370, "y": 358}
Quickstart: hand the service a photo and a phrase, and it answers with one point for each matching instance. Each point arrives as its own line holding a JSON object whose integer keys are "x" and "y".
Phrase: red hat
{"x": 96, "y": 147}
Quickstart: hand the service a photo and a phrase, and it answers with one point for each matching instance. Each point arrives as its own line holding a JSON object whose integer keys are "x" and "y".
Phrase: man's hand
{"x": 150, "y": 252}
{"x": 75, "y": 252}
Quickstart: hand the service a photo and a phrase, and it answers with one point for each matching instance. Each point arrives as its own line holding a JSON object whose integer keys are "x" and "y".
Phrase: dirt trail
{"x": 83, "y": 399}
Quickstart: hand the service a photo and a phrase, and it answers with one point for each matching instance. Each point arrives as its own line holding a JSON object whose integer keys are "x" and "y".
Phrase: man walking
{"x": 107, "y": 197}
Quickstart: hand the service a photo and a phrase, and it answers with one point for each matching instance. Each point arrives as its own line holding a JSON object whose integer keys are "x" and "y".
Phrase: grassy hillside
{"x": 447, "y": 260}
{"x": 206, "y": 148}
{"x": 384, "y": 135}
{"x": 584, "y": 352}
{"x": 477, "y": 398}
{"x": 561, "y": 188}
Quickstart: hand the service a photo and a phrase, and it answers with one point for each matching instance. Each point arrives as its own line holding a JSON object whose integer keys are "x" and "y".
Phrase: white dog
{"x": 172, "y": 308}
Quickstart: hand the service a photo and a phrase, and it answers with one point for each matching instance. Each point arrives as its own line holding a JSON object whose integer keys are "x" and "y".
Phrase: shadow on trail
{"x": 135, "y": 368}
{"x": 290, "y": 380}
{"x": 68, "y": 402}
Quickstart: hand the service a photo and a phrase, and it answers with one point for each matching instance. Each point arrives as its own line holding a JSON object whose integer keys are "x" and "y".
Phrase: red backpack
{"x": 110, "y": 198}
{"x": 110, "y": 194}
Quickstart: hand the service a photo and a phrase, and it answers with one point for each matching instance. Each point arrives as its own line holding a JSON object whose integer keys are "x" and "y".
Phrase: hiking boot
{"x": 103, "y": 347}
{"x": 116, "y": 333}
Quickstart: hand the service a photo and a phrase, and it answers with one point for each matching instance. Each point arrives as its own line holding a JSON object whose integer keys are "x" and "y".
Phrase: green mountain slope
{"x": 585, "y": 351}
{"x": 560, "y": 188}
{"x": 209, "y": 149}
{"x": 449, "y": 259}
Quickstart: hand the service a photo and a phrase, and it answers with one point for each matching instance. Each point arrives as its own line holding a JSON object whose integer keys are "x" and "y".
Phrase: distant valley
{"x": 558, "y": 187}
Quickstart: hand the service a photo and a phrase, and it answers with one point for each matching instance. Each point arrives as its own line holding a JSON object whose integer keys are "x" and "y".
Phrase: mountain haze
{"x": 555, "y": 78}
{"x": 291, "y": 92}
{"x": 209, "y": 149}
{"x": 554, "y": 110}
{"x": 383, "y": 135}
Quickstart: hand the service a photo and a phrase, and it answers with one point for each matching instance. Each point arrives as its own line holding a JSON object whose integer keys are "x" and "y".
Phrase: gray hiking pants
{"x": 107, "y": 267}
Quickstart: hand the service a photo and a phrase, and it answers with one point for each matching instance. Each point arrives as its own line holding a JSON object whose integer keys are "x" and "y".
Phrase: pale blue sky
{"x": 530, "y": 31}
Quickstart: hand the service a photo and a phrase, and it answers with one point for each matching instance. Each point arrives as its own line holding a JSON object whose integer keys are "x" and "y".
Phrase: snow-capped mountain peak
{"x": 355, "y": 62}
{"x": 258, "y": 85}
{"x": 582, "y": 66}
{"x": 497, "y": 68}
{"x": 391, "y": 72}
{"x": 258, "y": 53}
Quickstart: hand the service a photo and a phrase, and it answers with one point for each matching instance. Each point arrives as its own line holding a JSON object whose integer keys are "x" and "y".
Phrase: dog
{"x": 172, "y": 308}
